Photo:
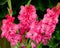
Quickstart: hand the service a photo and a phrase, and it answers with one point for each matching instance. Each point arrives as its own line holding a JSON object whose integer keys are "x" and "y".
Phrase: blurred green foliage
{"x": 41, "y": 6}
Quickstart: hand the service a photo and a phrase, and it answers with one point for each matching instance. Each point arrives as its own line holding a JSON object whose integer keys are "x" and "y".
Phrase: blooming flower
{"x": 42, "y": 31}
{"x": 34, "y": 33}
{"x": 48, "y": 25}
{"x": 9, "y": 30}
{"x": 27, "y": 15}
{"x": 57, "y": 8}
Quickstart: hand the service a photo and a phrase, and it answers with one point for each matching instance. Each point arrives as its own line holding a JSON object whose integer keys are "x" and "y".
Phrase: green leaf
{"x": 39, "y": 5}
{"x": 52, "y": 43}
{"x": 3, "y": 11}
{"x": 57, "y": 32}
{"x": 52, "y": 3}
{"x": 40, "y": 45}
{"x": 2, "y": 2}
{"x": 18, "y": 45}
{"x": 27, "y": 43}
{"x": 57, "y": 35}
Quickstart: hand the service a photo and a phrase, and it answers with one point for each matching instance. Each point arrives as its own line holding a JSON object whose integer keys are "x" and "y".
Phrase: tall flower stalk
{"x": 9, "y": 7}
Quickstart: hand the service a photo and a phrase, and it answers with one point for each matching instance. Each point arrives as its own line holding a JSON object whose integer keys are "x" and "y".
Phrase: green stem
{"x": 18, "y": 45}
{"x": 28, "y": 44}
{"x": 10, "y": 7}
{"x": 39, "y": 45}
{"x": 29, "y": 2}
{"x": 9, "y": 4}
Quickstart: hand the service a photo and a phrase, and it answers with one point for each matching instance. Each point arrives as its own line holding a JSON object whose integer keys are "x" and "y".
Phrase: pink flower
{"x": 56, "y": 9}
{"x": 27, "y": 15}
{"x": 38, "y": 31}
{"x": 22, "y": 45}
{"x": 9, "y": 30}
{"x": 42, "y": 31}
{"x": 34, "y": 33}
{"x": 48, "y": 25}
{"x": 14, "y": 39}
{"x": 33, "y": 45}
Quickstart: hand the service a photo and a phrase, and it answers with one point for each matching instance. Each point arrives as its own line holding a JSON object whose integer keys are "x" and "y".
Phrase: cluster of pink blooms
{"x": 41, "y": 31}
{"x": 27, "y": 15}
{"x": 9, "y": 30}
{"x": 38, "y": 31}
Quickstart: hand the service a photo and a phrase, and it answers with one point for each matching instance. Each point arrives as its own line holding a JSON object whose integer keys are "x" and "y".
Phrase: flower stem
{"x": 18, "y": 45}
{"x": 28, "y": 2}
{"x": 58, "y": 5}
{"x": 10, "y": 7}
{"x": 39, "y": 45}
